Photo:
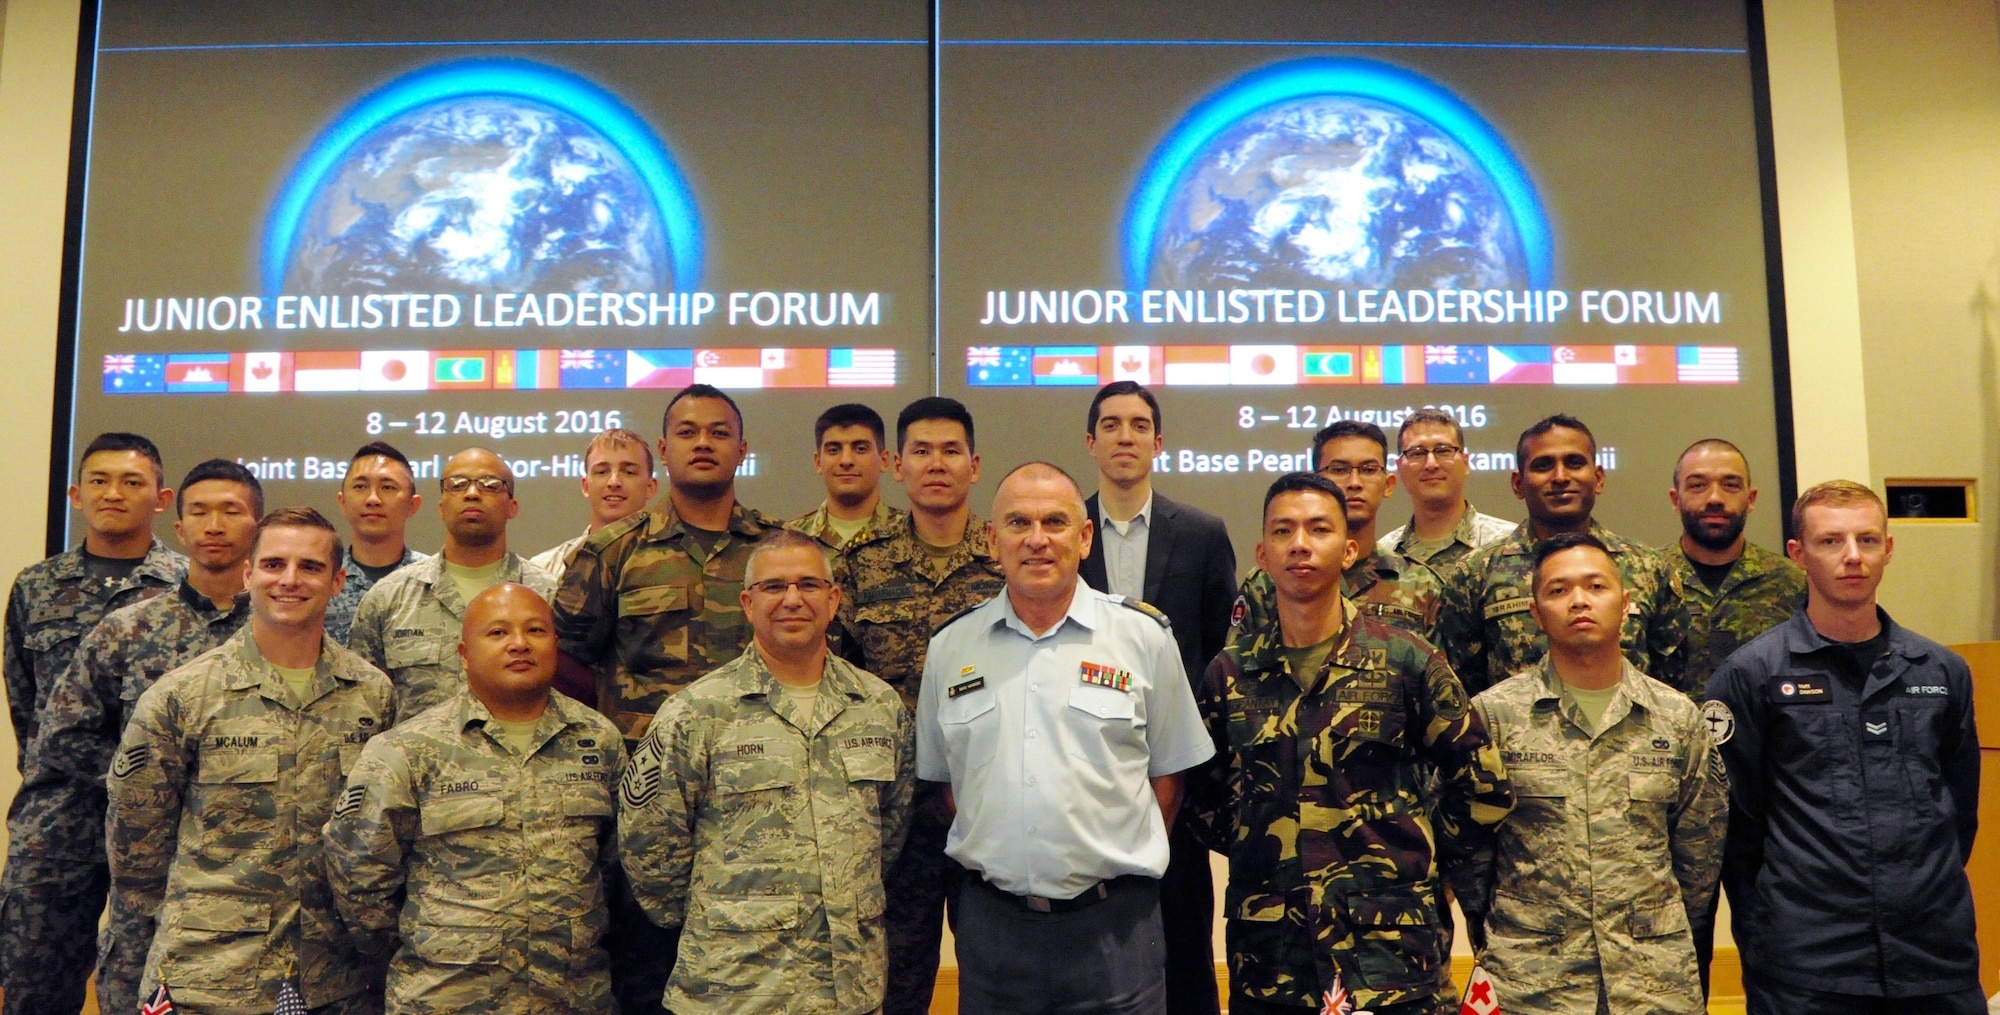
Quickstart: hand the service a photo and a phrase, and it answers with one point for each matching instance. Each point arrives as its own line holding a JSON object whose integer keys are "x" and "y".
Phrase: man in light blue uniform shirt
{"x": 1062, "y": 720}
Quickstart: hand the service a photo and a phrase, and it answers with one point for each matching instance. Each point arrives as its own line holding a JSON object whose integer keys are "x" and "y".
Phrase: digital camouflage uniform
{"x": 1488, "y": 635}
{"x": 763, "y": 830}
{"x": 488, "y": 864}
{"x": 645, "y": 607}
{"x": 1319, "y": 800}
{"x": 892, "y": 598}
{"x": 219, "y": 790}
{"x": 1474, "y": 532}
{"x": 1390, "y": 587}
{"x": 1762, "y": 590}
{"x": 132, "y": 647}
{"x": 53, "y": 889}
{"x": 340, "y": 610}
{"x": 409, "y": 624}
{"x": 1615, "y": 843}
{"x": 817, "y": 523}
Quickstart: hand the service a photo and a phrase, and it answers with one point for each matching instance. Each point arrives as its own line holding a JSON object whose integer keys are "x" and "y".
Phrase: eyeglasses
{"x": 775, "y": 587}
{"x": 1342, "y": 470}
{"x": 488, "y": 484}
{"x": 1444, "y": 453}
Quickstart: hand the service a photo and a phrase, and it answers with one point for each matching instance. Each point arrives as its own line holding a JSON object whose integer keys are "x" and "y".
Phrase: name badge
{"x": 1506, "y": 607}
{"x": 1786, "y": 689}
{"x": 965, "y": 688}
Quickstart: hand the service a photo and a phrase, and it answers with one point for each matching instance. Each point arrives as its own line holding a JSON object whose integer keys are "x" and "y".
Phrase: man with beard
{"x": 1486, "y": 625}
{"x": 408, "y": 625}
{"x": 218, "y": 507}
{"x": 1735, "y": 590}
{"x": 650, "y": 603}
{"x": 850, "y": 453}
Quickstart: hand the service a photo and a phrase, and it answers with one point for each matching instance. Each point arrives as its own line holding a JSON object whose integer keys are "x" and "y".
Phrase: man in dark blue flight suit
{"x": 1854, "y": 790}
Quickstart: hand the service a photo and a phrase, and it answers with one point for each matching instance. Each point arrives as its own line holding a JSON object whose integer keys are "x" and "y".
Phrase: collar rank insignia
{"x": 1105, "y": 676}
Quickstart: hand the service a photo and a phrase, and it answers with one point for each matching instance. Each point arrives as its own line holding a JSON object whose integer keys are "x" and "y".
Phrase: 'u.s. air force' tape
{"x": 350, "y": 800}
{"x": 130, "y": 760}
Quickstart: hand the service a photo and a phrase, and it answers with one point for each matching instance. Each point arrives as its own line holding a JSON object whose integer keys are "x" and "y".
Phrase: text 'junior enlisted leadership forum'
{"x": 374, "y": 311}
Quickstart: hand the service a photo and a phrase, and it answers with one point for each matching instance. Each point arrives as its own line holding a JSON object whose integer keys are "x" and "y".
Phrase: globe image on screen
{"x": 1335, "y": 191}
{"x": 480, "y": 193}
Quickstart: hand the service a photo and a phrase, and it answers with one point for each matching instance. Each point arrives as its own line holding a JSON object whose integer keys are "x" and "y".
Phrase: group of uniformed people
{"x": 701, "y": 761}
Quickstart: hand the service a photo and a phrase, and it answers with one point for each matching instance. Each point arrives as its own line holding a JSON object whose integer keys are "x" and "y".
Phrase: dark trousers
{"x": 48, "y": 932}
{"x": 917, "y": 885}
{"x": 1104, "y": 959}
{"x": 1187, "y": 919}
{"x": 1439, "y": 1005}
{"x": 1768, "y": 997}
{"x": 642, "y": 952}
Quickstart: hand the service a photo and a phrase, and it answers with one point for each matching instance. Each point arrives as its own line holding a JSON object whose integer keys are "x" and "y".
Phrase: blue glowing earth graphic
{"x": 481, "y": 193}
{"x": 1336, "y": 191}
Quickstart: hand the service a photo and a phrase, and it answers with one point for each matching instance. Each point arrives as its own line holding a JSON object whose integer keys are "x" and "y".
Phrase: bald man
{"x": 1062, "y": 720}
{"x": 479, "y": 831}
{"x": 408, "y": 624}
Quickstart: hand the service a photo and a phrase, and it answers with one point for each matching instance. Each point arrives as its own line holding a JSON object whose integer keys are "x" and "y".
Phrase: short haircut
{"x": 701, "y": 391}
{"x": 1046, "y": 469}
{"x": 1434, "y": 417}
{"x": 223, "y": 470}
{"x": 1544, "y": 425}
{"x": 1833, "y": 493}
{"x": 383, "y": 449}
{"x": 935, "y": 407}
{"x": 851, "y": 414}
{"x": 1710, "y": 444}
{"x": 618, "y": 438}
{"x": 1568, "y": 541}
{"x": 783, "y": 539}
{"x": 300, "y": 518}
{"x": 119, "y": 440}
{"x": 1304, "y": 482}
{"x": 1113, "y": 390}
{"x": 1349, "y": 428}
{"x": 506, "y": 471}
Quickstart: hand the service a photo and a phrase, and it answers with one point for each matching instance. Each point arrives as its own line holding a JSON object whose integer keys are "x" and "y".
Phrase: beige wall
{"x": 1887, "y": 123}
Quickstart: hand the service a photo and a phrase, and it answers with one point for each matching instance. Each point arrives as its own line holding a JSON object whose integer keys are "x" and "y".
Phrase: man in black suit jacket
{"x": 1178, "y": 559}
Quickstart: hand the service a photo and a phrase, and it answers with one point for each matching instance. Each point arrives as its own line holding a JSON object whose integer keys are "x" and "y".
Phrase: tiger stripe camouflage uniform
{"x": 1615, "y": 844}
{"x": 219, "y": 790}
{"x": 488, "y": 863}
{"x": 53, "y": 888}
{"x": 1488, "y": 635}
{"x": 1762, "y": 590}
{"x": 340, "y": 609}
{"x": 1390, "y": 587}
{"x": 650, "y": 610}
{"x": 1318, "y": 799}
{"x": 1474, "y": 532}
{"x": 762, "y": 825}
{"x": 131, "y": 648}
{"x": 408, "y": 627}
{"x": 893, "y": 596}
{"x": 817, "y": 523}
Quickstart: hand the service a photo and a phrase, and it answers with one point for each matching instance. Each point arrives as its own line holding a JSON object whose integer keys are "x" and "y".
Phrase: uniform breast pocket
{"x": 891, "y": 628}
{"x": 412, "y": 653}
{"x": 47, "y": 633}
{"x": 1652, "y": 796}
{"x": 218, "y": 943}
{"x": 971, "y": 725}
{"x": 236, "y": 800}
{"x": 1105, "y": 726}
{"x": 659, "y": 615}
{"x": 739, "y": 769}
{"x": 460, "y": 816}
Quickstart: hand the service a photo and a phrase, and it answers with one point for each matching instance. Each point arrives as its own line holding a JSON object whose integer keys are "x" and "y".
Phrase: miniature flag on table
{"x": 289, "y": 1001}
{"x": 161, "y": 1003}
{"x": 1479, "y": 998}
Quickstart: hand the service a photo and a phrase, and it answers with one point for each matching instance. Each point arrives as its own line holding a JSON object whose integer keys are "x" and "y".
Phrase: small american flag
{"x": 975, "y": 356}
{"x": 1441, "y": 354}
{"x": 289, "y": 1001}
{"x": 861, "y": 368}
{"x": 578, "y": 359}
{"x": 1708, "y": 364}
{"x": 161, "y": 1003}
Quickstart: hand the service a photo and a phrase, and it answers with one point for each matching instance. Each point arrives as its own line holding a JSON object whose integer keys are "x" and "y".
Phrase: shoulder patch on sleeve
{"x": 1720, "y": 721}
{"x": 131, "y": 760}
{"x": 1239, "y": 610}
{"x": 641, "y": 782}
{"x": 350, "y": 800}
{"x": 1144, "y": 607}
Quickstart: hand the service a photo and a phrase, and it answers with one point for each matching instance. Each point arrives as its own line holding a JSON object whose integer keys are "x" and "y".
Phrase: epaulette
{"x": 1144, "y": 607}
{"x": 953, "y": 619}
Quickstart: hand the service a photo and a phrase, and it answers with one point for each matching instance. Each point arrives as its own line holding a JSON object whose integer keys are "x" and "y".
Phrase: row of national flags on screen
{"x": 1006, "y": 366}
{"x": 494, "y": 370}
